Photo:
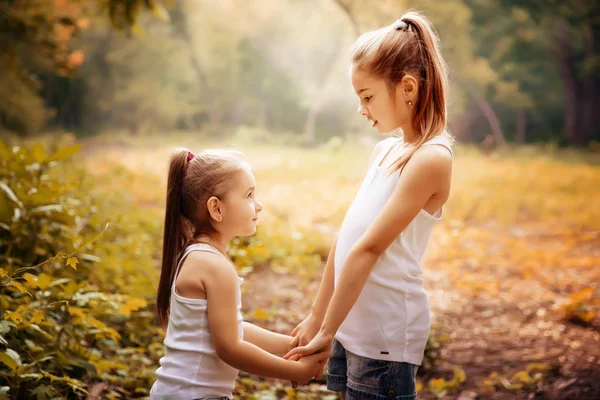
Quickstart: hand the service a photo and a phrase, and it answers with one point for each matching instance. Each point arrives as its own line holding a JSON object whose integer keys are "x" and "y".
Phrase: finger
{"x": 321, "y": 370}
{"x": 322, "y": 356}
{"x": 294, "y": 343}
{"x": 303, "y": 340}
{"x": 304, "y": 351}
{"x": 296, "y": 357}
{"x": 295, "y": 331}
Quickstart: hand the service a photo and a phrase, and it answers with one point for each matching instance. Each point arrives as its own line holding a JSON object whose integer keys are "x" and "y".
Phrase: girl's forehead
{"x": 245, "y": 175}
{"x": 362, "y": 79}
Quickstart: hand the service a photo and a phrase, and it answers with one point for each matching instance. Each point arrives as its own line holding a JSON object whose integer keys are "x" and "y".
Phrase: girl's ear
{"x": 214, "y": 208}
{"x": 409, "y": 87}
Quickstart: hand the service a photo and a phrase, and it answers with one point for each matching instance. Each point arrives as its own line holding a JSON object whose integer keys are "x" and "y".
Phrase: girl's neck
{"x": 408, "y": 135}
{"x": 221, "y": 244}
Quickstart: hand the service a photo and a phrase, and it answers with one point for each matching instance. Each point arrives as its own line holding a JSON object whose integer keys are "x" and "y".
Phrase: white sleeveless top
{"x": 390, "y": 320}
{"x": 191, "y": 368}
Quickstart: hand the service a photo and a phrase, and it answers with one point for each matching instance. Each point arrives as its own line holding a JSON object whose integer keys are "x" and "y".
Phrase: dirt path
{"x": 502, "y": 333}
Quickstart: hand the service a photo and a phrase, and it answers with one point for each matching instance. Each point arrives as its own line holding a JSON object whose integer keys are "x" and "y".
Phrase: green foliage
{"x": 64, "y": 320}
{"x": 28, "y": 48}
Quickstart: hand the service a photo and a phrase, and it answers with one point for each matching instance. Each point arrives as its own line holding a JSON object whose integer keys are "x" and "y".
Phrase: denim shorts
{"x": 214, "y": 398}
{"x": 367, "y": 379}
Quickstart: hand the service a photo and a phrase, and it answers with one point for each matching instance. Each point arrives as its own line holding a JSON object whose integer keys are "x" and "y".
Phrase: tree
{"x": 551, "y": 49}
{"x": 35, "y": 38}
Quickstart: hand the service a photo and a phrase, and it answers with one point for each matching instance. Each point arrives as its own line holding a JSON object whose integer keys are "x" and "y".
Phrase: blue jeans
{"x": 367, "y": 379}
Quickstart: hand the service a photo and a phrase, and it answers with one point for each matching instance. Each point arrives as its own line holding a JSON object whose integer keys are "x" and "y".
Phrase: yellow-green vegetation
{"x": 80, "y": 237}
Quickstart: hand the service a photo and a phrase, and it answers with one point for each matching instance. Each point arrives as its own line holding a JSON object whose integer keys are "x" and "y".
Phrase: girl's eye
{"x": 368, "y": 98}
{"x": 250, "y": 195}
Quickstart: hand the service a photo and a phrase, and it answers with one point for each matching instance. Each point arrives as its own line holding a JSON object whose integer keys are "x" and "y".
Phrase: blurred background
{"x": 94, "y": 94}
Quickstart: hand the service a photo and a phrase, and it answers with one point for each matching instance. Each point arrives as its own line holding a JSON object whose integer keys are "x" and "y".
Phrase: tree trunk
{"x": 566, "y": 65}
{"x": 490, "y": 115}
{"x": 521, "y": 127}
{"x": 591, "y": 85}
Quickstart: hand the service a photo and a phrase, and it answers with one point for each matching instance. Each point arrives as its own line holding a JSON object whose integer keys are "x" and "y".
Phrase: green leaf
{"x": 64, "y": 152}
{"x": 43, "y": 392}
{"x": 5, "y": 326}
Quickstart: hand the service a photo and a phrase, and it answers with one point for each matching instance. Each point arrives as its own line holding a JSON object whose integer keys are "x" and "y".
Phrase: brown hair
{"x": 190, "y": 184}
{"x": 409, "y": 46}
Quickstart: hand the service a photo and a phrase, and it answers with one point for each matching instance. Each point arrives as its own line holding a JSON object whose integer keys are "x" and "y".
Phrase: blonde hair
{"x": 409, "y": 46}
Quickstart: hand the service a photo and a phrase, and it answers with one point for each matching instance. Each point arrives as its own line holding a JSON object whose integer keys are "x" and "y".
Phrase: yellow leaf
{"x": 8, "y": 361}
{"x": 77, "y": 312}
{"x": 30, "y": 278}
{"x": 37, "y": 151}
{"x": 260, "y": 314}
{"x": 20, "y": 287}
{"x": 132, "y": 304}
{"x": 43, "y": 281}
{"x": 582, "y": 295}
{"x": 125, "y": 310}
{"x": 3, "y": 273}
{"x": 64, "y": 152}
{"x": 136, "y": 303}
{"x": 523, "y": 376}
{"x": 72, "y": 262}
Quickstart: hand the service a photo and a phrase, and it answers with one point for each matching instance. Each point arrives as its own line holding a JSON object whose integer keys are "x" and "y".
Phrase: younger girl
{"x": 211, "y": 198}
{"x": 371, "y": 308}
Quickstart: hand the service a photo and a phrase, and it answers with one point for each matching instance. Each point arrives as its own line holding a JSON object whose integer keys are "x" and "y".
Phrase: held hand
{"x": 320, "y": 343}
{"x": 305, "y": 332}
{"x": 310, "y": 366}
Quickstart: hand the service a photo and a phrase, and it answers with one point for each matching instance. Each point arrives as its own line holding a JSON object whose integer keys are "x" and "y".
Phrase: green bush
{"x": 64, "y": 319}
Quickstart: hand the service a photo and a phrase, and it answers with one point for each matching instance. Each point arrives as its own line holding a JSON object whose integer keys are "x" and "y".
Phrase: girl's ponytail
{"x": 175, "y": 236}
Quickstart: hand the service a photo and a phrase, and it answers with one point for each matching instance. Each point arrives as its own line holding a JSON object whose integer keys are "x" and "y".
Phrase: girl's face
{"x": 384, "y": 110}
{"x": 240, "y": 207}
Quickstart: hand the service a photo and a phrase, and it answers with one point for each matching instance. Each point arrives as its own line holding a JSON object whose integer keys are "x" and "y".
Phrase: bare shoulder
{"x": 206, "y": 263}
{"x": 432, "y": 159}
{"x": 202, "y": 269}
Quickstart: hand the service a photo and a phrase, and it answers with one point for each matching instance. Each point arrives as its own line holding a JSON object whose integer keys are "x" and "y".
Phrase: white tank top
{"x": 191, "y": 368}
{"x": 390, "y": 320}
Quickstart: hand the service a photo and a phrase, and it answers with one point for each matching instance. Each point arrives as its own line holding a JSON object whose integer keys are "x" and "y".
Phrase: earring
{"x": 410, "y": 103}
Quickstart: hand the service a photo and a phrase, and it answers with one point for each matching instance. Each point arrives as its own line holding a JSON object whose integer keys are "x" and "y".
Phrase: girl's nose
{"x": 259, "y": 206}
{"x": 361, "y": 110}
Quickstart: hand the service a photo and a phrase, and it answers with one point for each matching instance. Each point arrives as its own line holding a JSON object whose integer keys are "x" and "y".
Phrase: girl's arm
{"x": 307, "y": 329}
{"x": 427, "y": 174}
{"x": 272, "y": 342}
{"x": 221, "y": 283}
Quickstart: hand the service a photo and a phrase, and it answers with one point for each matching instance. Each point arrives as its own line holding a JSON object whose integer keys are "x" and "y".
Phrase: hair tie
{"x": 190, "y": 156}
{"x": 402, "y": 26}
